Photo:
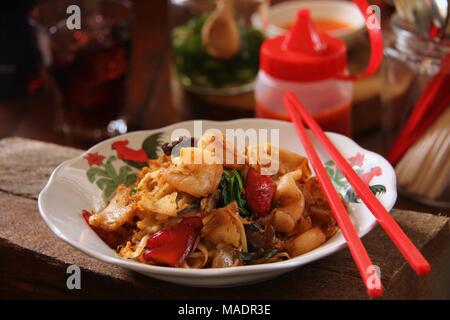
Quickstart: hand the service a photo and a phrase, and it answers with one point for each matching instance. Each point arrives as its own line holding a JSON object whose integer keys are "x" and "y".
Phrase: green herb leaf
{"x": 232, "y": 190}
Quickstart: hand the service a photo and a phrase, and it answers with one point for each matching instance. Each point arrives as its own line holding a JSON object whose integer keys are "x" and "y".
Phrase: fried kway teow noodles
{"x": 211, "y": 214}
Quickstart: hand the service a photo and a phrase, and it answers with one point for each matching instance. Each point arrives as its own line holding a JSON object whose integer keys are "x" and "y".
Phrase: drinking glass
{"x": 85, "y": 69}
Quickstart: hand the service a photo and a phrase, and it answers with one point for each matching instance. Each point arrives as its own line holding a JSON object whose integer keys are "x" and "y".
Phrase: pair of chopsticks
{"x": 299, "y": 114}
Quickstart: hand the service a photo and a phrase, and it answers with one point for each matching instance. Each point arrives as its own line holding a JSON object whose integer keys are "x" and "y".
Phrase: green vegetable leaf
{"x": 232, "y": 189}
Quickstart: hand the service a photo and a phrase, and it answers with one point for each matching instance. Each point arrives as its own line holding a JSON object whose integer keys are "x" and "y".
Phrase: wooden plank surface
{"x": 33, "y": 260}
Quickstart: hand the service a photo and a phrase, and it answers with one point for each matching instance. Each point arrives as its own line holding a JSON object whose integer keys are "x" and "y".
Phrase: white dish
{"x": 345, "y": 11}
{"x": 69, "y": 191}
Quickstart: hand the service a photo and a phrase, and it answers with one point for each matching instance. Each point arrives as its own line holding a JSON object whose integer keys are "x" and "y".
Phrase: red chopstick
{"x": 398, "y": 237}
{"x": 355, "y": 245}
{"x": 404, "y": 141}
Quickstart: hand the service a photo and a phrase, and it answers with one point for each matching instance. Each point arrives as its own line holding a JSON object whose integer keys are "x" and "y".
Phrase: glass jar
{"x": 411, "y": 61}
{"x": 197, "y": 70}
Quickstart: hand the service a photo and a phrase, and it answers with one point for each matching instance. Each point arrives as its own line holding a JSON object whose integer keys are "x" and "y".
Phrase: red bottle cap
{"x": 303, "y": 54}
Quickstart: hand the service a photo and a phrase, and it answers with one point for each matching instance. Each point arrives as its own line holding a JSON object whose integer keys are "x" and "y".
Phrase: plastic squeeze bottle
{"x": 313, "y": 66}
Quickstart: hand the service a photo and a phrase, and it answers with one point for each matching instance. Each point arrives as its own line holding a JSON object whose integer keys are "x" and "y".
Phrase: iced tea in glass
{"x": 85, "y": 69}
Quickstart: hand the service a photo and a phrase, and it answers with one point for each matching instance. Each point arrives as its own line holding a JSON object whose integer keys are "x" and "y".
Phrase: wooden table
{"x": 34, "y": 260}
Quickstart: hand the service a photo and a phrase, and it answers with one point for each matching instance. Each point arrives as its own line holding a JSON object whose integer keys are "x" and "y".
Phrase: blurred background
{"x": 145, "y": 64}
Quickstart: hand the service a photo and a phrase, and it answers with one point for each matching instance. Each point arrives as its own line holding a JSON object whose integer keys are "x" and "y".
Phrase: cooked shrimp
{"x": 195, "y": 172}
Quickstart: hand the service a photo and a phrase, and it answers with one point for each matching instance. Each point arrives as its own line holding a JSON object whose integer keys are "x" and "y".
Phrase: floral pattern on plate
{"x": 107, "y": 177}
{"x": 343, "y": 186}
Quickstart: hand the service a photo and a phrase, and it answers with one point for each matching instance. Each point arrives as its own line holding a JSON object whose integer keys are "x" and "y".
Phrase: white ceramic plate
{"x": 73, "y": 187}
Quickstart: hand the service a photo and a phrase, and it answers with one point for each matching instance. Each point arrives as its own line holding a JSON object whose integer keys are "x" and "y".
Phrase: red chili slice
{"x": 259, "y": 191}
{"x": 172, "y": 245}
